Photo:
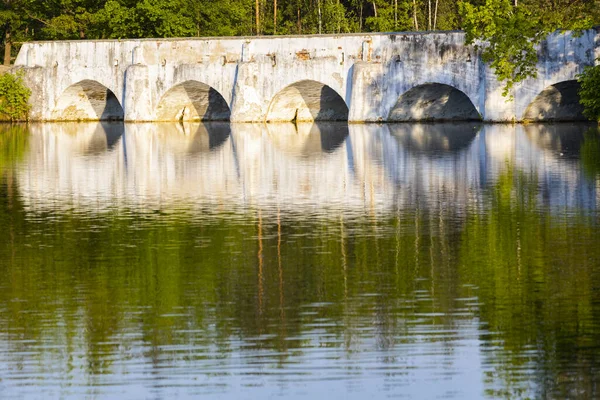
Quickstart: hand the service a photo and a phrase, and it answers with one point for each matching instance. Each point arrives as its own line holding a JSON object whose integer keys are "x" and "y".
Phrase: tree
{"x": 13, "y": 16}
{"x": 14, "y": 97}
{"x": 390, "y": 17}
{"x": 589, "y": 93}
{"x": 66, "y": 19}
{"x": 508, "y": 34}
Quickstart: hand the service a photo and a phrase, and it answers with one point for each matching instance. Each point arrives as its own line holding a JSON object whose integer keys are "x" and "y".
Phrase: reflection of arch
{"x": 558, "y": 102}
{"x": 564, "y": 139}
{"x": 194, "y": 138}
{"x": 87, "y": 100}
{"x": 435, "y": 139}
{"x": 434, "y": 102}
{"x": 88, "y": 138}
{"x": 306, "y": 101}
{"x": 105, "y": 138}
{"x": 308, "y": 139}
{"x": 192, "y": 101}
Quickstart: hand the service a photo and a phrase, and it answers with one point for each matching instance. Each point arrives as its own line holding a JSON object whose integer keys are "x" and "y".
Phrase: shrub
{"x": 589, "y": 93}
{"x": 14, "y": 97}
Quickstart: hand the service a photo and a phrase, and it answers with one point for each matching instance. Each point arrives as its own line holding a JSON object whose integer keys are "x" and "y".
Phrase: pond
{"x": 299, "y": 261}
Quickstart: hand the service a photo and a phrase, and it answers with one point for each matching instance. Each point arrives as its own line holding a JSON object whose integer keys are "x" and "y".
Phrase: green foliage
{"x": 387, "y": 20}
{"x": 14, "y": 97}
{"x": 589, "y": 94}
{"x": 512, "y": 31}
{"x": 509, "y": 36}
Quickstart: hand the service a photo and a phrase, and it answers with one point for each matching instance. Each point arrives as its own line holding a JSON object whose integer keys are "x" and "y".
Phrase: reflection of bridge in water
{"x": 297, "y": 167}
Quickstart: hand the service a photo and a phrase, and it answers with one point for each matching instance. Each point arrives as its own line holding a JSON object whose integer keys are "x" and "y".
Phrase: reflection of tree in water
{"x": 539, "y": 291}
{"x": 13, "y": 145}
{"x": 189, "y": 280}
{"x": 590, "y": 153}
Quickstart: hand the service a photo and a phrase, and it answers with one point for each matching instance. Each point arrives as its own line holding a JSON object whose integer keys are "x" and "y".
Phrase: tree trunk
{"x": 338, "y": 18}
{"x": 415, "y": 19}
{"x": 257, "y": 17}
{"x": 396, "y": 14}
{"x": 299, "y": 21}
{"x": 320, "y": 21}
{"x": 435, "y": 15}
{"x": 7, "y": 48}
{"x": 275, "y": 17}
{"x": 429, "y": 15}
{"x": 361, "y": 17}
{"x": 375, "y": 9}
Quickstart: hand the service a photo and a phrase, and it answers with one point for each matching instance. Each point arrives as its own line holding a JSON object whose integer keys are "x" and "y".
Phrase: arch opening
{"x": 307, "y": 101}
{"x": 192, "y": 101}
{"x": 434, "y": 102}
{"x": 88, "y": 100}
{"x": 558, "y": 102}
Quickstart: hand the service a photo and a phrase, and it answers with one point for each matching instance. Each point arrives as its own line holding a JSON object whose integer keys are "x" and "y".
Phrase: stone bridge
{"x": 358, "y": 77}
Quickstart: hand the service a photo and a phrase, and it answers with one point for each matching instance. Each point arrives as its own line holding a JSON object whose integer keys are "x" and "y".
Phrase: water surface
{"x": 313, "y": 261}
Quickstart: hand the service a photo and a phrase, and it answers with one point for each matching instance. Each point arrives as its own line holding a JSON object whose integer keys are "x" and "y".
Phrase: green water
{"x": 323, "y": 261}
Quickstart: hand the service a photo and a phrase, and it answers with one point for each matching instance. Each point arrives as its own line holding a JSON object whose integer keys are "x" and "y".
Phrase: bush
{"x": 14, "y": 97}
{"x": 589, "y": 93}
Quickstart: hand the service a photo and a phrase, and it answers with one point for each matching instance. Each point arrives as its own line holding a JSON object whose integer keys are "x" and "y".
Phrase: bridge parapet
{"x": 359, "y": 77}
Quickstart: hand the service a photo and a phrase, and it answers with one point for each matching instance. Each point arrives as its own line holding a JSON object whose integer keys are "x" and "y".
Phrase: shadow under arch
{"x": 87, "y": 100}
{"x": 308, "y": 139}
{"x": 192, "y": 101}
{"x": 194, "y": 138}
{"x": 558, "y": 102}
{"x": 435, "y": 139}
{"x": 307, "y": 101}
{"x": 433, "y": 102}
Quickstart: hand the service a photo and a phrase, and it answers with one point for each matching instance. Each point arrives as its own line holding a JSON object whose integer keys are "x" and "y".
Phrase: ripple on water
{"x": 388, "y": 261}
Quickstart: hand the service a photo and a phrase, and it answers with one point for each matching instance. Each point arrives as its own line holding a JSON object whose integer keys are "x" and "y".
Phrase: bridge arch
{"x": 87, "y": 100}
{"x": 192, "y": 101}
{"x": 434, "y": 102}
{"x": 306, "y": 101}
{"x": 558, "y": 102}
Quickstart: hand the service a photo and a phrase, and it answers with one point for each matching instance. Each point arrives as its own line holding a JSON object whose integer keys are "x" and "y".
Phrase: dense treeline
{"x": 23, "y": 20}
{"x": 511, "y": 28}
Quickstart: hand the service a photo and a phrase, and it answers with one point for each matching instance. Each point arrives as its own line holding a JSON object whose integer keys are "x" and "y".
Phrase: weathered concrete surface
{"x": 360, "y": 77}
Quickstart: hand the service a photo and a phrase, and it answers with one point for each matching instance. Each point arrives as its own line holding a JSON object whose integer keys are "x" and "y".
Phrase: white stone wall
{"x": 369, "y": 71}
